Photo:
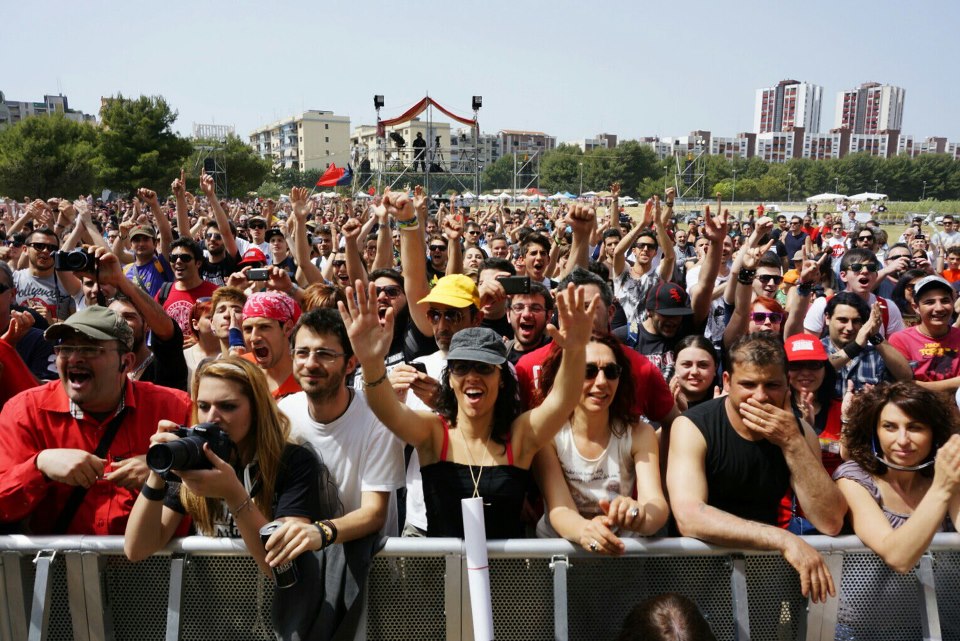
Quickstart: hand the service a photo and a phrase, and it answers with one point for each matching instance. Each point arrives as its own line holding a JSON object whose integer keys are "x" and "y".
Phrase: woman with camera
{"x": 902, "y": 477}
{"x": 258, "y": 476}
{"x": 589, "y": 471}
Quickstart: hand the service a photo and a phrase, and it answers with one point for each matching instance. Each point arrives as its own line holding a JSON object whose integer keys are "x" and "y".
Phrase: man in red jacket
{"x": 52, "y": 479}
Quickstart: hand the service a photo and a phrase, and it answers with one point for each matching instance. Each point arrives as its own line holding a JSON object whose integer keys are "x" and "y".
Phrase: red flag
{"x": 371, "y": 191}
{"x": 330, "y": 176}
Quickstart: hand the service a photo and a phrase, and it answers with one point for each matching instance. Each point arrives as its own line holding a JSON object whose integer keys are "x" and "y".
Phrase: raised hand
{"x": 419, "y": 201}
{"x": 148, "y": 196}
{"x": 715, "y": 229}
{"x": 208, "y": 185}
{"x": 581, "y": 218}
{"x": 452, "y": 229}
{"x": 20, "y": 324}
{"x": 351, "y": 229}
{"x": 752, "y": 255}
{"x": 370, "y": 341}
{"x": 298, "y": 198}
{"x": 399, "y": 206}
{"x": 575, "y": 317}
{"x": 179, "y": 185}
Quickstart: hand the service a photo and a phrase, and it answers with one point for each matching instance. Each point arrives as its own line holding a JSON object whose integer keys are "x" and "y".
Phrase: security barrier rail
{"x": 200, "y": 588}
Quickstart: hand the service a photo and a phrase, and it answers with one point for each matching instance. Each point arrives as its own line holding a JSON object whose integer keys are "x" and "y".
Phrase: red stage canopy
{"x": 418, "y": 109}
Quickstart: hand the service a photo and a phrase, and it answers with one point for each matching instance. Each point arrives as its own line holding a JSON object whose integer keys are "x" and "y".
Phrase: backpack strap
{"x": 164, "y": 293}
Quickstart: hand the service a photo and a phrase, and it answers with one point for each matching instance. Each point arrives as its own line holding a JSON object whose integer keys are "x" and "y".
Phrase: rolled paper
{"x": 478, "y": 573}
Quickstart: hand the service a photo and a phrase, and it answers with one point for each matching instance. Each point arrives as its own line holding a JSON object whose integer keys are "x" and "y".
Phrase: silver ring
{"x": 594, "y": 546}
{"x": 634, "y": 513}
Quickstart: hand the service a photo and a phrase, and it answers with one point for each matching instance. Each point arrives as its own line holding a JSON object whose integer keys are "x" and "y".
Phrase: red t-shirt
{"x": 289, "y": 386}
{"x": 179, "y": 304}
{"x": 952, "y": 275}
{"x": 932, "y": 359}
{"x": 39, "y": 419}
{"x": 15, "y": 376}
{"x": 651, "y": 398}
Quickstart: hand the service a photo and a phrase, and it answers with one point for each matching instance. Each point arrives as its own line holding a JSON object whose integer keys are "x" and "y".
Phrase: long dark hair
{"x": 933, "y": 409}
{"x": 621, "y": 408}
{"x": 505, "y": 410}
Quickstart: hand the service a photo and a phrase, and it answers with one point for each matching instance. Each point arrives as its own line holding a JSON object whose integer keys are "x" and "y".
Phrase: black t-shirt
{"x": 297, "y": 491}
{"x": 501, "y": 326}
{"x": 659, "y": 350}
{"x": 37, "y": 354}
{"x": 746, "y": 478}
{"x": 169, "y": 366}
{"x": 217, "y": 273}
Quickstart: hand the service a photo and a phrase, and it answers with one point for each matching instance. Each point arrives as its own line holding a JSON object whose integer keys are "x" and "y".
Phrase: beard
{"x": 325, "y": 387}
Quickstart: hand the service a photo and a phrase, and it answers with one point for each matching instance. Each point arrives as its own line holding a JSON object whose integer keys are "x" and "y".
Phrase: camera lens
{"x": 183, "y": 454}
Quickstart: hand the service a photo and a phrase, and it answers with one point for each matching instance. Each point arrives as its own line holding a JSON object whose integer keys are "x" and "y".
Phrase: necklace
{"x": 475, "y": 479}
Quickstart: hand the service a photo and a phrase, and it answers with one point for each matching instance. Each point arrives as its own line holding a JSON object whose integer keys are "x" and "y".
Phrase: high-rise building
{"x": 789, "y": 105}
{"x": 870, "y": 109}
{"x": 309, "y": 140}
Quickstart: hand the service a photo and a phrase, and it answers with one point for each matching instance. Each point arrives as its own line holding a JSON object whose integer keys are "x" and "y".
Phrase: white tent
{"x": 589, "y": 194}
{"x": 868, "y": 195}
{"x": 828, "y": 197}
{"x": 362, "y": 194}
{"x": 467, "y": 195}
{"x": 556, "y": 196}
{"x": 488, "y": 198}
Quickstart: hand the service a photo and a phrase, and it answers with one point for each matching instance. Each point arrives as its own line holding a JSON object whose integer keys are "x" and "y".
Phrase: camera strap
{"x": 79, "y": 492}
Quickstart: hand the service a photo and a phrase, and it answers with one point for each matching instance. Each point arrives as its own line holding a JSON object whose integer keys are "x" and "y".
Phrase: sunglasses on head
{"x": 184, "y": 258}
{"x": 611, "y": 371}
{"x": 805, "y": 365}
{"x": 452, "y": 316}
{"x": 856, "y": 268}
{"x": 766, "y": 278}
{"x": 761, "y": 317}
{"x": 392, "y": 291}
{"x": 462, "y": 368}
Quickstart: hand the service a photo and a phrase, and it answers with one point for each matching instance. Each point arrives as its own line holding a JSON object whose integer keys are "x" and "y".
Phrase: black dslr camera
{"x": 78, "y": 260}
{"x": 187, "y": 452}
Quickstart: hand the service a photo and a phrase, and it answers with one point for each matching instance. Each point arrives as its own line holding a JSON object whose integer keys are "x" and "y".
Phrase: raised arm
{"x": 743, "y": 295}
{"x": 715, "y": 229}
{"x": 355, "y": 267}
{"x": 384, "y": 258}
{"x": 208, "y": 185}
{"x": 534, "y": 428}
{"x": 626, "y": 242}
{"x": 669, "y": 260}
{"x": 309, "y": 273}
{"x": 413, "y": 251}
{"x": 453, "y": 231}
{"x": 163, "y": 223}
{"x": 582, "y": 220}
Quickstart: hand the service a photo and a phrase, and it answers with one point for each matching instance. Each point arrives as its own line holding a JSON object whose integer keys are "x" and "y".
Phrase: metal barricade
{"x": 203, "y": 589}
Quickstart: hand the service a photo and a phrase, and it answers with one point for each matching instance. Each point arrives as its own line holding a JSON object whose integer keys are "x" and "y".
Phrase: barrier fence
{"x": 203, "y": 589}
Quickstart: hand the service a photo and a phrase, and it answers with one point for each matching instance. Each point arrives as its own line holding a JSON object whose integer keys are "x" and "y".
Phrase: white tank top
{"x": 608, "y": 476}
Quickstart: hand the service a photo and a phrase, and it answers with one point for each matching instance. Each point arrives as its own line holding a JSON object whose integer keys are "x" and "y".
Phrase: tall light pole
{"x": 923, "y": 196}
{"x": 733, "y": 196}
{"x": 581, "y": 178}
{"x": 876, "y": 186}
{"x": 836, "y": 186}
{"x": 665, "y": 178}
{"x": 789, "y": 186}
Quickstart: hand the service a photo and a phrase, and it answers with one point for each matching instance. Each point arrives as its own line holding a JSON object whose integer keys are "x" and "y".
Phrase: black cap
{"x": 669, "y": 299}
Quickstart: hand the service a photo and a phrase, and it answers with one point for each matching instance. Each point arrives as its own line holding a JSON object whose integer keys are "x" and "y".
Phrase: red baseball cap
{"x": 804, "y": 347}
{"x": 252, "y": 256}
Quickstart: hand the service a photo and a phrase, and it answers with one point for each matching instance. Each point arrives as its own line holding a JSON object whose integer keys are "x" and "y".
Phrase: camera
{"x": 187, "y": 452}
{"x": 911, "y": 264}
{"x": 78, "y": 260}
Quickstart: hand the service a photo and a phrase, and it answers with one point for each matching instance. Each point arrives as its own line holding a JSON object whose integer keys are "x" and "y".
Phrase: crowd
{"x": 371, "y": 362}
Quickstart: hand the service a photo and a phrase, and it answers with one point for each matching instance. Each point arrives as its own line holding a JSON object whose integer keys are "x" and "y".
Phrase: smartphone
{"x": 515, "y": 284}
{"x": 258, "y": 274}
{"x": 919, "y": 237}
{"x": 420, "y": 367}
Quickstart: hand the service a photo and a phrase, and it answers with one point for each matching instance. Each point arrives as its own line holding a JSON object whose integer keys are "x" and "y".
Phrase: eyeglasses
{"x": 462, "y": 368}
{"x": 805, "y": 365}
{"x": 257, "y": 225}
{"x": 438, "y": 248}
{"x": 83, "y": 351}
{"x": 392, "y": 291}
{"x": 44, "y": 247}
{"x": 761, "y": 317}
{"x": 766, "y": 278}
{"x": 325, "y": 356}
{"x": 611, "y": 371}
{"x": 183, "y": 258}
{"x": 213, "y": 236}
{"x": 856, "y": 268}
{"x": 647, "y": 246}
{"x": 452, "y": 316}
{"x": 518, "y": 308}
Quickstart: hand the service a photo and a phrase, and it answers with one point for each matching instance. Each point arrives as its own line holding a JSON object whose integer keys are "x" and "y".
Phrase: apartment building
{"x": 870, "y": 108}
{"x": 13, "y": 111}
{"x": 309, "y": 140}
{"x": 788, "y": 105}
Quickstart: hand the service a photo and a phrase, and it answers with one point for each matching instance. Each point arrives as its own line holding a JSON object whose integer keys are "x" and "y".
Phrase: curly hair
{"x": 925, "y": 406}
{"x": 505, "y": 409}
{"x": 621, "y": 408}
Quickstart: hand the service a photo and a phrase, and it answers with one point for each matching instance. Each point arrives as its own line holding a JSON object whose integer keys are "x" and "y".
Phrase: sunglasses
{"x": 213, "y": 236}
{"x": 647, "y": 246}
{"x": 462, "y": 368}
{"x": 761, "y": 317}
{"x": 183, "y": 258}
{"x": 452, "y": 316}
{"x": 611, "y": 371}
{"x": 256, "y": 226}
{"x": 438, "y": 248}
{"x": 392, "y": 291}
{"x": 805, "y": 365}
{"x": 870, "y": 238}
{"x": 856, "y": 268}
{"x": 766, "y": 278}
{"x": 44, "y": 247}
{"x": 339, "y": 263}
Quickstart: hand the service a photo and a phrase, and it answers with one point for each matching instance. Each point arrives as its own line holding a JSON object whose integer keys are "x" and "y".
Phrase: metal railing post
{"x": 42, "y": 589}
{"x": 561, "y": 626}
{"x": 13, "y": 606}
{"x": 452, "y": 595}
{"x": 175, "y": 596}
{"x": 821, "y": 623}
{"x": 738, "y": 595}
{"x": 929, "y": 612}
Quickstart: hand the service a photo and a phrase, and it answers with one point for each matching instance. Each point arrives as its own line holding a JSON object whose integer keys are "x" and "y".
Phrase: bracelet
{"x": 413, "y": 223}
{"x": 852, "y": 349}
{"x": 374, "y": 383}
{"x": 746, "y": 276}
{"x": 236, "y": 337}
{"x": 328, "y": 532}
{"x": 876, "y": 339}
{"x": 153, "y": 493}
{"x": 804, "y": 289}
{"x": 242, "y": 506}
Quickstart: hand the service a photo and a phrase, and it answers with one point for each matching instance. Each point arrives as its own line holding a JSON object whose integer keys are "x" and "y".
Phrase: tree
{"x": 560, "y": 169}
{"x": 138, "y": 148}
{"x": 245, "y": 170}
{"x": 499, "y": 175}
{"x": 46, "y": 156}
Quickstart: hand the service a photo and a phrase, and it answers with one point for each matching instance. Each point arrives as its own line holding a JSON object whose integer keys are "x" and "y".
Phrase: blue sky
{"x": 572, "y": 69}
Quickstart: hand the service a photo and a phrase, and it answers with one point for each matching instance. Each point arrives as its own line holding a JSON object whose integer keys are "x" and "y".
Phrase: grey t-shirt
{"x": 48, "y": 290}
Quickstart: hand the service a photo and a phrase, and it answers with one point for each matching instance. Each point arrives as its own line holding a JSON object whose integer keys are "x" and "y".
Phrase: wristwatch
{"x": 876, "y": 339}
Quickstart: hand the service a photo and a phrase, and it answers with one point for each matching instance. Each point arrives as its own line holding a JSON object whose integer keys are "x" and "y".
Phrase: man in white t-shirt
{"x": 364, "y": 458}
{"x": 949, "y": 237}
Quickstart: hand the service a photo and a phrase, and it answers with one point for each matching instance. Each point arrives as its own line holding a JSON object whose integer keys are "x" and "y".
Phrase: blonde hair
{"x": 269, "y": 427}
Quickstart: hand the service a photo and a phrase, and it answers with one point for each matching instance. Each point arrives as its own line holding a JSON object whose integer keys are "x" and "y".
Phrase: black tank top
{"x": 502, "y": 488}
{"x": 745, "y": 478}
